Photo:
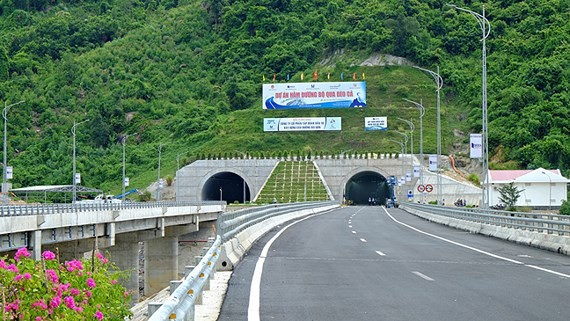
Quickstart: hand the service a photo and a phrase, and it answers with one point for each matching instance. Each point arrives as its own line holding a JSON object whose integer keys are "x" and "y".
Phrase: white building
{"x": 542, "y": 188}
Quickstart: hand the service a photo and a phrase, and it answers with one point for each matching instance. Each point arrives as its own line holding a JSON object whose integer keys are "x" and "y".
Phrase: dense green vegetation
{"x": 186, "y": 75}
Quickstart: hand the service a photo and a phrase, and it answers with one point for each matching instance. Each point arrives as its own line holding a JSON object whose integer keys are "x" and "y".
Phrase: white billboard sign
{"x": 433, "y": 163}
{"x": 77, "y": 178}
{"x": 314, "y": 95}
{"x": 9, "y": 172}
{"x": 302, "y": 124}
{"x": 375, "y": 123}
{"x": 476, "y": 146}
{"x": 416, "y": 170}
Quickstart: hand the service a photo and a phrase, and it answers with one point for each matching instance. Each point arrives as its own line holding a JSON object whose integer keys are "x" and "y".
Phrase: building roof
{"x": 55, "y": 188}
{"x": 527, "y": 176}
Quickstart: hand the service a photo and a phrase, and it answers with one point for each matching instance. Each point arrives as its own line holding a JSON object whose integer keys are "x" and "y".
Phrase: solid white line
{"x": 380, "y": 253}
{"x": 255, "y": 288}
{"x": 423, "y": 276}
{"x": 476, "y": 249}
{"x": 363, "y": 240}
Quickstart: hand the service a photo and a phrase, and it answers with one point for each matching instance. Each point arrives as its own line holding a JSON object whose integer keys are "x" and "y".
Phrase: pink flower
{"x": 14, "y": 306}
{"x": 113, "y": 281}
{"x": 3, "y": 264}
{"x": 88, "y": 294}
{"x": 21, "y": 252}
{"x": 69, "y": 302}
{"x": 74, "y": 292}
{"x": 48, "y": 255}
{"x": 91, "y": 283}
{"x": 101, "y": 258}
{"x": 26, "y": 276}
{"x": 55, "y": 302}
{"x": 98, "y": 315}
{"x": 40, "y": 304}
{"x": 38, "y": 318}
{"x": 13, "y": 268}
{"x": 74, "y": 265}
{"x": 52, "y": 276}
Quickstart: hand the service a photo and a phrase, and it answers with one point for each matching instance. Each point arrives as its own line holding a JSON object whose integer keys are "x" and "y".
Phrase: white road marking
{"x": 423, "y": 276}
{"x": 353, "y": 232}
{"x": 476, "y": 249}
{"x": 380, "y": 253}
{"x": 255, "y": 289}
{"x": 363, "y": 240}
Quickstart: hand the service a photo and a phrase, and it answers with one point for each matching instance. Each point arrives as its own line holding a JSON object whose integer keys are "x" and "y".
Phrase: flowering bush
{"x": 48, "y": 290}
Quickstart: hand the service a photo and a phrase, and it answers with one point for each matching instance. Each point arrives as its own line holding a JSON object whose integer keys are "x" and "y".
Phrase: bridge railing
{"x": 46, "y": 209}
{"x": 533, "y": 222}
{"x": 231, "y": 223}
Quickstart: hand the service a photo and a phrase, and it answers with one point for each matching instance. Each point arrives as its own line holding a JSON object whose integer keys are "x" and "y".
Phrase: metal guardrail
{"x": 533, "y": 222}
{"x": 46, "y": 209}
{"x": 180, "y": 304}
{"x": 231, "y": 223}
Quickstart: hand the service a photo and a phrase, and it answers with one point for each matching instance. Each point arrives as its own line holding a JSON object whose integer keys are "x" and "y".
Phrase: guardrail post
{"x": 173, "y": 285}
{"x": 153, "y": 307}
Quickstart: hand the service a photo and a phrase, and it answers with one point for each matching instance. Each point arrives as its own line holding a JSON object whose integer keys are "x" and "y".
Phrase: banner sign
{"x": 476, "y": 146}
{"x": 77, "y": 178}
{"x": 433, "y": 163}
{"x": 314, "y": 95}
{"x": 416, "y": 170}
{"x": 375, "y": 123}
{"x": 408, "y": 177}
{"x": 301, "y": 124}
{"x": 9, "y": 172}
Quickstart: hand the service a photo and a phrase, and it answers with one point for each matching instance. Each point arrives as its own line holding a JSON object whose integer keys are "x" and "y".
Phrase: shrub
{"x": 473, "y": 178}
{"x": 565, "y": 208}
{"x": 85, "y": 289}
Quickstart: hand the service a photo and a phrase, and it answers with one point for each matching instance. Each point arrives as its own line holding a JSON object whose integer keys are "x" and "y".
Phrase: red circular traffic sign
{"x": 421, "y": 188}
{"x": 429, "y": 188}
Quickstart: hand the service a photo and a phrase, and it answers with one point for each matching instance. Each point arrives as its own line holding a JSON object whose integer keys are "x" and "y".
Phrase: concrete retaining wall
{"x": 550, "y": 242}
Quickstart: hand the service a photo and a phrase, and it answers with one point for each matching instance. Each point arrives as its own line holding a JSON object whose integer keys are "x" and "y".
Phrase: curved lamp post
{"x": 402, "y": 146}
{"x": 73, "y": 130}
{"x": 439, "y": 84}
{"x": 485, "y": 30}
{"x": 549, "y": 190}
{"x": 5, "y": 162}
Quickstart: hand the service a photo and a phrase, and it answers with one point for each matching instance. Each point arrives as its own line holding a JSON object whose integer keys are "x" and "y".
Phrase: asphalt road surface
{"x": 371, "y": 263}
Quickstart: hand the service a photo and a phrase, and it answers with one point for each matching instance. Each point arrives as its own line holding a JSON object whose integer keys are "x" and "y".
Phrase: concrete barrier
{"x": 550, "y": 242}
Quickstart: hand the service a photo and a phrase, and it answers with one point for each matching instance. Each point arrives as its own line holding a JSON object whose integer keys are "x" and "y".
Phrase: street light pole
{"x": 485, "y": 30}
{"x": 5, "y": 162}
{"x": 124, "y": 141}
{"x": 158, "y": 180}
{"x": 73, "y": 130}
{"x": 402, "y": 150}
{"x": 405, "y": 145}
{"x": 439, "y": 84}
{"x": 549, "y": 191}
{"x": 411, "y": 141}
{"x": 420, "y": 106}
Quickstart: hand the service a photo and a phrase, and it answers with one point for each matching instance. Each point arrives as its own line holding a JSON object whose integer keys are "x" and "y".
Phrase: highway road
{"x": 371, "y": 263}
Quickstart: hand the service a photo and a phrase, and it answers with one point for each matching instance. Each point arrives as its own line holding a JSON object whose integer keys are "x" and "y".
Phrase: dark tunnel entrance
{"x": 367, "y": 184}
{"x": 227, "y": 187}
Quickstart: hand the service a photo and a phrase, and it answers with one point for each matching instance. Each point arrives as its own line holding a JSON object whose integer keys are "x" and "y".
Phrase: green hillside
{"x": 186, "y": 75}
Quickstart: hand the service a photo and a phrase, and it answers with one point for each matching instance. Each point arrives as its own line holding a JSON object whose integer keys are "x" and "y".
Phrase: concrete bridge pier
{"x": 160, "y": 264}
{"x": 125, "y": 255}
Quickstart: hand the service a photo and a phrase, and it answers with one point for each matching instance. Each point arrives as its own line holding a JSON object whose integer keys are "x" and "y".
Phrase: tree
{"x": 565, "y": 208}
{"x": 509, "y": 194}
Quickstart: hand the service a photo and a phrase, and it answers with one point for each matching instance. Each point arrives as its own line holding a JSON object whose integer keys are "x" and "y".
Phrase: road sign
{"x": 429, "y": 188}
{"x": 421, "y": 188}
{"x": 410, "y": 193}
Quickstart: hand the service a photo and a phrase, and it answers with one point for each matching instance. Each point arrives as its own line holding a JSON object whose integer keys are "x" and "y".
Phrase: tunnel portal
{"x": 367, "y": 184}
{"x": 227, "y": 187}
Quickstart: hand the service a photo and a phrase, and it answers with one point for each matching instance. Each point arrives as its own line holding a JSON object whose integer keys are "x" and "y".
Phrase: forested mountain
{"x": 184, "y": 76}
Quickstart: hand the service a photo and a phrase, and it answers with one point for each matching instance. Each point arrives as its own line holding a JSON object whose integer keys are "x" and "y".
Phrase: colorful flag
{"x": 302, "y": 76}
{"x": 288, "y": 77}
{"x": 342, "y": 76}
{"x": 329, "y": 75}
{"x": 353, "y": 76}
{"x": 363, "y": 76}
{"x": 315, "y": 75}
